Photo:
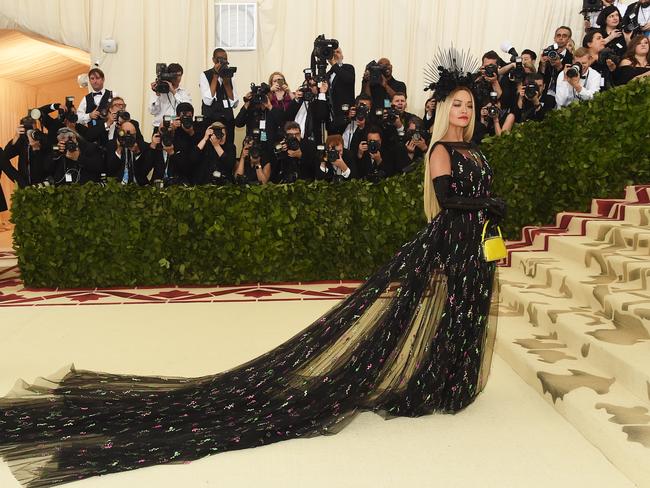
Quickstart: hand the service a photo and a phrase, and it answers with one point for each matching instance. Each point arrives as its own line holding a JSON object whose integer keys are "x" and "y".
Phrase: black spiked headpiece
{"x": 449, "y": 70}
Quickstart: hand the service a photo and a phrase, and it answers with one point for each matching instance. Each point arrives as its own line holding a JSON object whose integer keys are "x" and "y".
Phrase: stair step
{"x": 606, "y": 413}
{"x": 619, "y": 347}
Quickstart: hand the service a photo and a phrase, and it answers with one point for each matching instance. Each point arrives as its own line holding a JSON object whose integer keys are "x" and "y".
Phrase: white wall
{"x": 409, "y": 32}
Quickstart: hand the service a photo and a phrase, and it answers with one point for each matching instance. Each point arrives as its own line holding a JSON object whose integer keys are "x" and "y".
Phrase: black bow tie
{"x": 96, "y": 93}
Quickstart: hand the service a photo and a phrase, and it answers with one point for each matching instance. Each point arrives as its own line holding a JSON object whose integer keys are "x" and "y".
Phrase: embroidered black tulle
{"x": 416, "y": 338}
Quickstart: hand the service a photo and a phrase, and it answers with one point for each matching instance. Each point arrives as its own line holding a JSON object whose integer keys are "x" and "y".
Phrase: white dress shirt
{"x": 83, "y": 117}
{"x": 206, "y": 94}
{"x": 166, "y": 103}
{"x": 565, "y": 93}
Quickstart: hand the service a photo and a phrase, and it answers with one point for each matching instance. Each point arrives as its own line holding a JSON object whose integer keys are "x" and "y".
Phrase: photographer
{"x": 126, "y": 156}
{"x": 309, "y": 108}
{"x": 375, "y": 160}
{"x": 416, "y": 142}
{"x": 66, "y": 116}
{"x": 216, "y": 157}
{"x": 554, "y": 58}
{"x": 116, "y": 115}
{"x": 492, "y": 120}
{"x": 615, "y": 38}
{"x": 637, "y": 18}
{"x": 254, "y": 166}
{"x": 172, "y": 164}
{"x": 532, "y": 103}
{"x": 295, "y": 156}
{"x": 96, "y": 102}
{"x": 577, "y": 82}
{"x": 592, "y": 19}
{"x": 340, "y": 78}
{"x": 636, "y": 63}
{"x": 258, "y": 114}
{"x": 32, "y": 148}
{"x": 167, "y": 93}
{"x": 75, "y": 160}
{"x": 487, "y": 79}
{"x": 379, "y": 84}
{"x": 600, "y": 59}
{"x": 218, "y": 95}
{"x": 429, "y": 113}
{"x": 337, "y": 164}
{"x": 281, "y": 96}
{"x": 395, "y": 118}
{"x": 187, "y": 131}
{"x": 360, "y": 115}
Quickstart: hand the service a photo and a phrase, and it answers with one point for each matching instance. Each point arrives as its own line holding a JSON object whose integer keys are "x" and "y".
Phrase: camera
{"x": 574, "y": 71}
{"x": 103, "y": 113}
{"x": 518, "y": 73}
{"x": 255, "y": 151}
{"x": 226, "y": 71}
{"x": 362, "y": 112}
{"x": 307, "y": 94}
{"x": 413, "y": 135}
{"x": 632, "y": 24}
{"x": 392, "y": 114}
{"x": 324, "y": 48}
{"x": 491, "y": 70}
{"x": 375, "y": 72}
{"x": 608, "y": 54}
{"x": 552, "y": 52}
{"x": 293, "y": 144}
{"x": 187, "y": 121}
{"x": 218, "y": 132}
{"x": 259, "y": 93}
{"x": 492, "y": 109}
{"x": 530, "y": 90}
{"x": 37, "y": 135}
{"x": 332, "y": 155}
{"x": 71, "y": 145}
{"x": 126, "y": 139}
{"x": 163, "y": 75}
{"x": 373, "y": 146}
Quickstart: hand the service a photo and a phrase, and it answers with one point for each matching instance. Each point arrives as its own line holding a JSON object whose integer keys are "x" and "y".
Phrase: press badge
{"x": 263, "y": 136}
{"x": 226, "y": 104}
{"x": 262, "y": 124}
{"x": 68, "y": 178}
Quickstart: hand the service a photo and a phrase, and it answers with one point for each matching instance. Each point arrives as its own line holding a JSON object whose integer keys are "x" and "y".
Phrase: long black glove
{"x": 496, "y": 207}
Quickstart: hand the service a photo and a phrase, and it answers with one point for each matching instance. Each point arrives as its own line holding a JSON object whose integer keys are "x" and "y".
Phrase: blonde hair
{"x": 273, "y": 76}
{"x": 440, "y": 128}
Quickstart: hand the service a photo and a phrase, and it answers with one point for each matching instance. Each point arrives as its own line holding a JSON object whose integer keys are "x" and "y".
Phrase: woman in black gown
{"x": 415, "y": 338}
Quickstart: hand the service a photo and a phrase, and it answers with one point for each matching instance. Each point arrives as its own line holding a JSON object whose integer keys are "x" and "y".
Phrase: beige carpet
{"x": 509, "y": 437}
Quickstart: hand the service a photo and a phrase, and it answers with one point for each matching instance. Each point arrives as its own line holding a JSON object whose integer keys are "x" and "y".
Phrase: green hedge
{"x": 587, "y": 150}
{"x": 80, "y": 236}
{"x": 89, "y": 235}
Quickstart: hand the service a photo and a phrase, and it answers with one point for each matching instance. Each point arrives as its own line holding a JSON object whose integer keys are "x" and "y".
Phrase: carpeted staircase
{"x": 574, "y": 322}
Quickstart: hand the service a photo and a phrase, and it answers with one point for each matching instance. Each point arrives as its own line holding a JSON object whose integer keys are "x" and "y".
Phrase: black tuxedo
{"x": 139, "y": 166}
{"x": 217, "y": 112}
{"x": 305, "y": 167}
{"x": 103, "y": 105}
{"x": 366, "y": 165}
{"x": 249, "y": 118}
{"x": 179, "y": 167}
{"x": 379, "y": 93}
{"x": 351, "y": 161}
{"x": 341, "y": 91}
{"x": 550, "y": 73}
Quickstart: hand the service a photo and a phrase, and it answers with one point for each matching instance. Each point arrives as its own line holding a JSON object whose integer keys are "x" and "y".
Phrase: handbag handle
{"x": 485, "y": 229}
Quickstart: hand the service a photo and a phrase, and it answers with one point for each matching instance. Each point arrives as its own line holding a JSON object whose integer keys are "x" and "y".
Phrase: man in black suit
{"x": 218, "y": 95}
{"x": 341, "y": 79}
{"x": 296, "y": 157}
{"x": 383, "y": 91}
{"x": 551, "y": 66}
{"x": 375, "y": 158}
{"x": 108, "y": 127}
{"x": 96, "y": 101}
{"x": 126, "y": 156}
{"x": 310, "y": 110}
{"x": 32, "y": 149}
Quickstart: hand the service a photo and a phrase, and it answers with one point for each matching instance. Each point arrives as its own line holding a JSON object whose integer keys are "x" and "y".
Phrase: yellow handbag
{"x": 493, "y": 247}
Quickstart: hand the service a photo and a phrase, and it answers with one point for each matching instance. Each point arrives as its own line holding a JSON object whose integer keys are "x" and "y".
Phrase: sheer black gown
{"x": 416, "y": 338}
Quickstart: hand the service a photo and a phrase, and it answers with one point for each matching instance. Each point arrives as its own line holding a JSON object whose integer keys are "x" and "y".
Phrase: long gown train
{"x": 415, "y": 338}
